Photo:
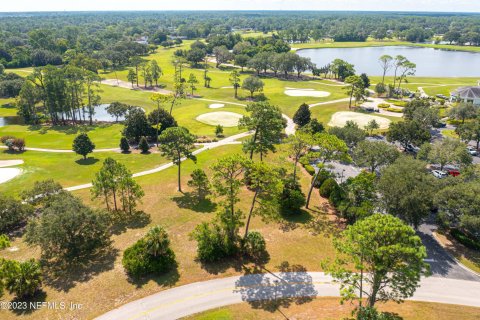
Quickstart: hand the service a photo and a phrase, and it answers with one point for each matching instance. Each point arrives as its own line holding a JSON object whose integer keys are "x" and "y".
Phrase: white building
{"x": 467, "y": 94}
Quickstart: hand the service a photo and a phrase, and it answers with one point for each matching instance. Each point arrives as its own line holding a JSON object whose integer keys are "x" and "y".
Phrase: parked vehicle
{"x": 411, "y": 148}
{"x": 453, "y": 173}
{"x": 472, "y": 150}
{"x": 442, "y": 96}
{"x": 439, "y": 174}
{"x": 440, "y": 125}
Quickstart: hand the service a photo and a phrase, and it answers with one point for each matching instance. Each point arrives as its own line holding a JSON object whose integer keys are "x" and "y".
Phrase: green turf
{"x": 68, "y": 168}
{"x": 61, "y": 137}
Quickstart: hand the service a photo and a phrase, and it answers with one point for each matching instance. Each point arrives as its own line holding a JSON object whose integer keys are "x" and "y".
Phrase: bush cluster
{"x": 13, "y": 143}
{"x": 150, "y": 255}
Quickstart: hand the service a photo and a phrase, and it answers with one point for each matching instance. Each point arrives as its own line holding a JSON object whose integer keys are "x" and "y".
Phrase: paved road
{"x": 297, "y": 287}
{"x": 441, "y": 263}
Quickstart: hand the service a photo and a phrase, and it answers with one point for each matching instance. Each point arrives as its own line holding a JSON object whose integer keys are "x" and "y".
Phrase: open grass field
{"x": 102, "y": 285}
{"x": 61, "y": 137}
{"x": 69, "y": 168}
{"x": 6, "y": 107}
{"x": 331, "y": 309}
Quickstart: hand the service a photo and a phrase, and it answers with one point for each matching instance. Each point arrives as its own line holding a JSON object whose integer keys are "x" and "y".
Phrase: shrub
{"x": 19, "y": 144}
{"x": 23, "y": 279}
{"x": 4, "y": 139}
{"x": 322, "y": 176}
{"x": 292, "y": 198}
{"x": 465, "y": 240}
{"x": 327, "y": 187}
{"x": 124, "y": 146}
{"x": 384, "y": 105}
{"x": 4, "y": 241}
{"x": 336, "y": 196}
{"x": 143, "y": 145}
{"x": 219, "y": 131}
{"x": 137, "y": 260}
{"x": 254, "y": 244}
{"x": 13, "y": 213}
{"x": 212, "y": 243}
{"x": 310, "y": 169}
{"x": 395, "y": 110}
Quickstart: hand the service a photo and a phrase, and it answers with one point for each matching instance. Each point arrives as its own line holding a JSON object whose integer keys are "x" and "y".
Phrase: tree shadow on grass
{"x": 39, "y": 297}
{"x": 168, "y": 279}
{"x": 293, "y": 220}
{"x": 64, "y": 275}
{"x": 269, "y": 291}
{"x": 87, "y": 162}
{"x": 239, "y": 262}
{"x": 189, "y": 201}
{"x": 123, "y": 221}
{"x": 7, "y": 151}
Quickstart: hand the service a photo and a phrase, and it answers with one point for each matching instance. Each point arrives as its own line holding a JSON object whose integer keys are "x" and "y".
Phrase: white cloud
{"x": 377, "y": 5}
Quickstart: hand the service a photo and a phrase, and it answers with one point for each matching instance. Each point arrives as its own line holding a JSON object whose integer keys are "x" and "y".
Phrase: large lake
{"x": 430, "y": 62}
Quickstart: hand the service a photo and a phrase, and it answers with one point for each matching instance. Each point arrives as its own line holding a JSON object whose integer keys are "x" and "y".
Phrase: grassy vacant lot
{"x": 330, "y": 308}
{"x": 103, "y": 285}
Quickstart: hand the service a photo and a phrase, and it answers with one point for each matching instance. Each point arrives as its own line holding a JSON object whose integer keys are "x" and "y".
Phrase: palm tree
{"x": 157, "y": 241}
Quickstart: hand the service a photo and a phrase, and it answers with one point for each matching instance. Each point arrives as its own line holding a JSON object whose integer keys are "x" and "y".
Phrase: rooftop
{"x": 468, "y": 92}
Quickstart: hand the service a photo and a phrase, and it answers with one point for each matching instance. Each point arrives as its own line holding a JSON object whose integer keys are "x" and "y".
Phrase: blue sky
{"x": 365, "y": 5}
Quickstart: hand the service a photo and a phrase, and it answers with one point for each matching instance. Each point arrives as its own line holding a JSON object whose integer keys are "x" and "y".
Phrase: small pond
{"x": 101, "y": 114}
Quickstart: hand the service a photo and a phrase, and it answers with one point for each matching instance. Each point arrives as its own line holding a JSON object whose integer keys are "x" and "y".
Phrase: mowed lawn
{"x": 331, "y": 309}
{"x": 69, "y": 168}
{"x": 61, "y": 137}
{"x": 7, "y": 107}
{"x": 303, "y": 240}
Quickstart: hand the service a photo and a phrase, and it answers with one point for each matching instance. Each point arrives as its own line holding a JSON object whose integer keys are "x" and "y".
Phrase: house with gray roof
{"x": 467, "y": 94}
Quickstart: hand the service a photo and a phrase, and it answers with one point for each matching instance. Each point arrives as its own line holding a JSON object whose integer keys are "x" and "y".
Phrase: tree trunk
{"x": 250, "y": 213}
{"x": 311, "y": 188}
{"x": 295, "y": 168}
{"x": 179, "y": 183}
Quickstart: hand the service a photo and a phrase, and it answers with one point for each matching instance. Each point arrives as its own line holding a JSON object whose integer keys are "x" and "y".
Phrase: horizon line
{"x": 243, "y": 10}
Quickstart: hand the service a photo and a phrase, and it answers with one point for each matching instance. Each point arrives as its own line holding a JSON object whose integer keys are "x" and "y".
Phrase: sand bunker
{"x": 226, "y": 119}
{"x": 8, "y": 174}
{"x": 9, "y": 163}
{"x": 339, "y": 119}
{"x": 216, "y": 105}
{"x": 306, "y": 93}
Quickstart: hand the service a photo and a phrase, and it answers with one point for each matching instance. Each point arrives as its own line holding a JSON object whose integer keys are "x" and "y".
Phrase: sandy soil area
{"x": 339, "y": 119}
{"x": 226, "y": 119}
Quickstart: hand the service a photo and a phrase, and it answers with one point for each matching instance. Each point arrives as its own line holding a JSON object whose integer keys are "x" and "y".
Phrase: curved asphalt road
{"x": 257, "y": 289}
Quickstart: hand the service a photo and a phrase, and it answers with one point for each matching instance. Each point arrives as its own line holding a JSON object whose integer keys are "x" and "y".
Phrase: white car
{"x": 439, "y": 174}
{"x": 472, "y": 150}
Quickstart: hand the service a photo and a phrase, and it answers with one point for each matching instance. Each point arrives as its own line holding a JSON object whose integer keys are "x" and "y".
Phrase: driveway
{"x": 261, "y": 290}
{"x": 441, "y": 263}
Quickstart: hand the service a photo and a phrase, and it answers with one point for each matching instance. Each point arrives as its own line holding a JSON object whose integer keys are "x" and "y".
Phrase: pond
{"x": 101, "y": 114}
{"x": 430, "y": 62}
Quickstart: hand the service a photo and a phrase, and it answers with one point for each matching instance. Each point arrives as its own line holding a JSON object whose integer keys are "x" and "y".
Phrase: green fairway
{"x": 7, "y": 109}
{"x": 68, "y": 168}
{"x": 61, "y": 137}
